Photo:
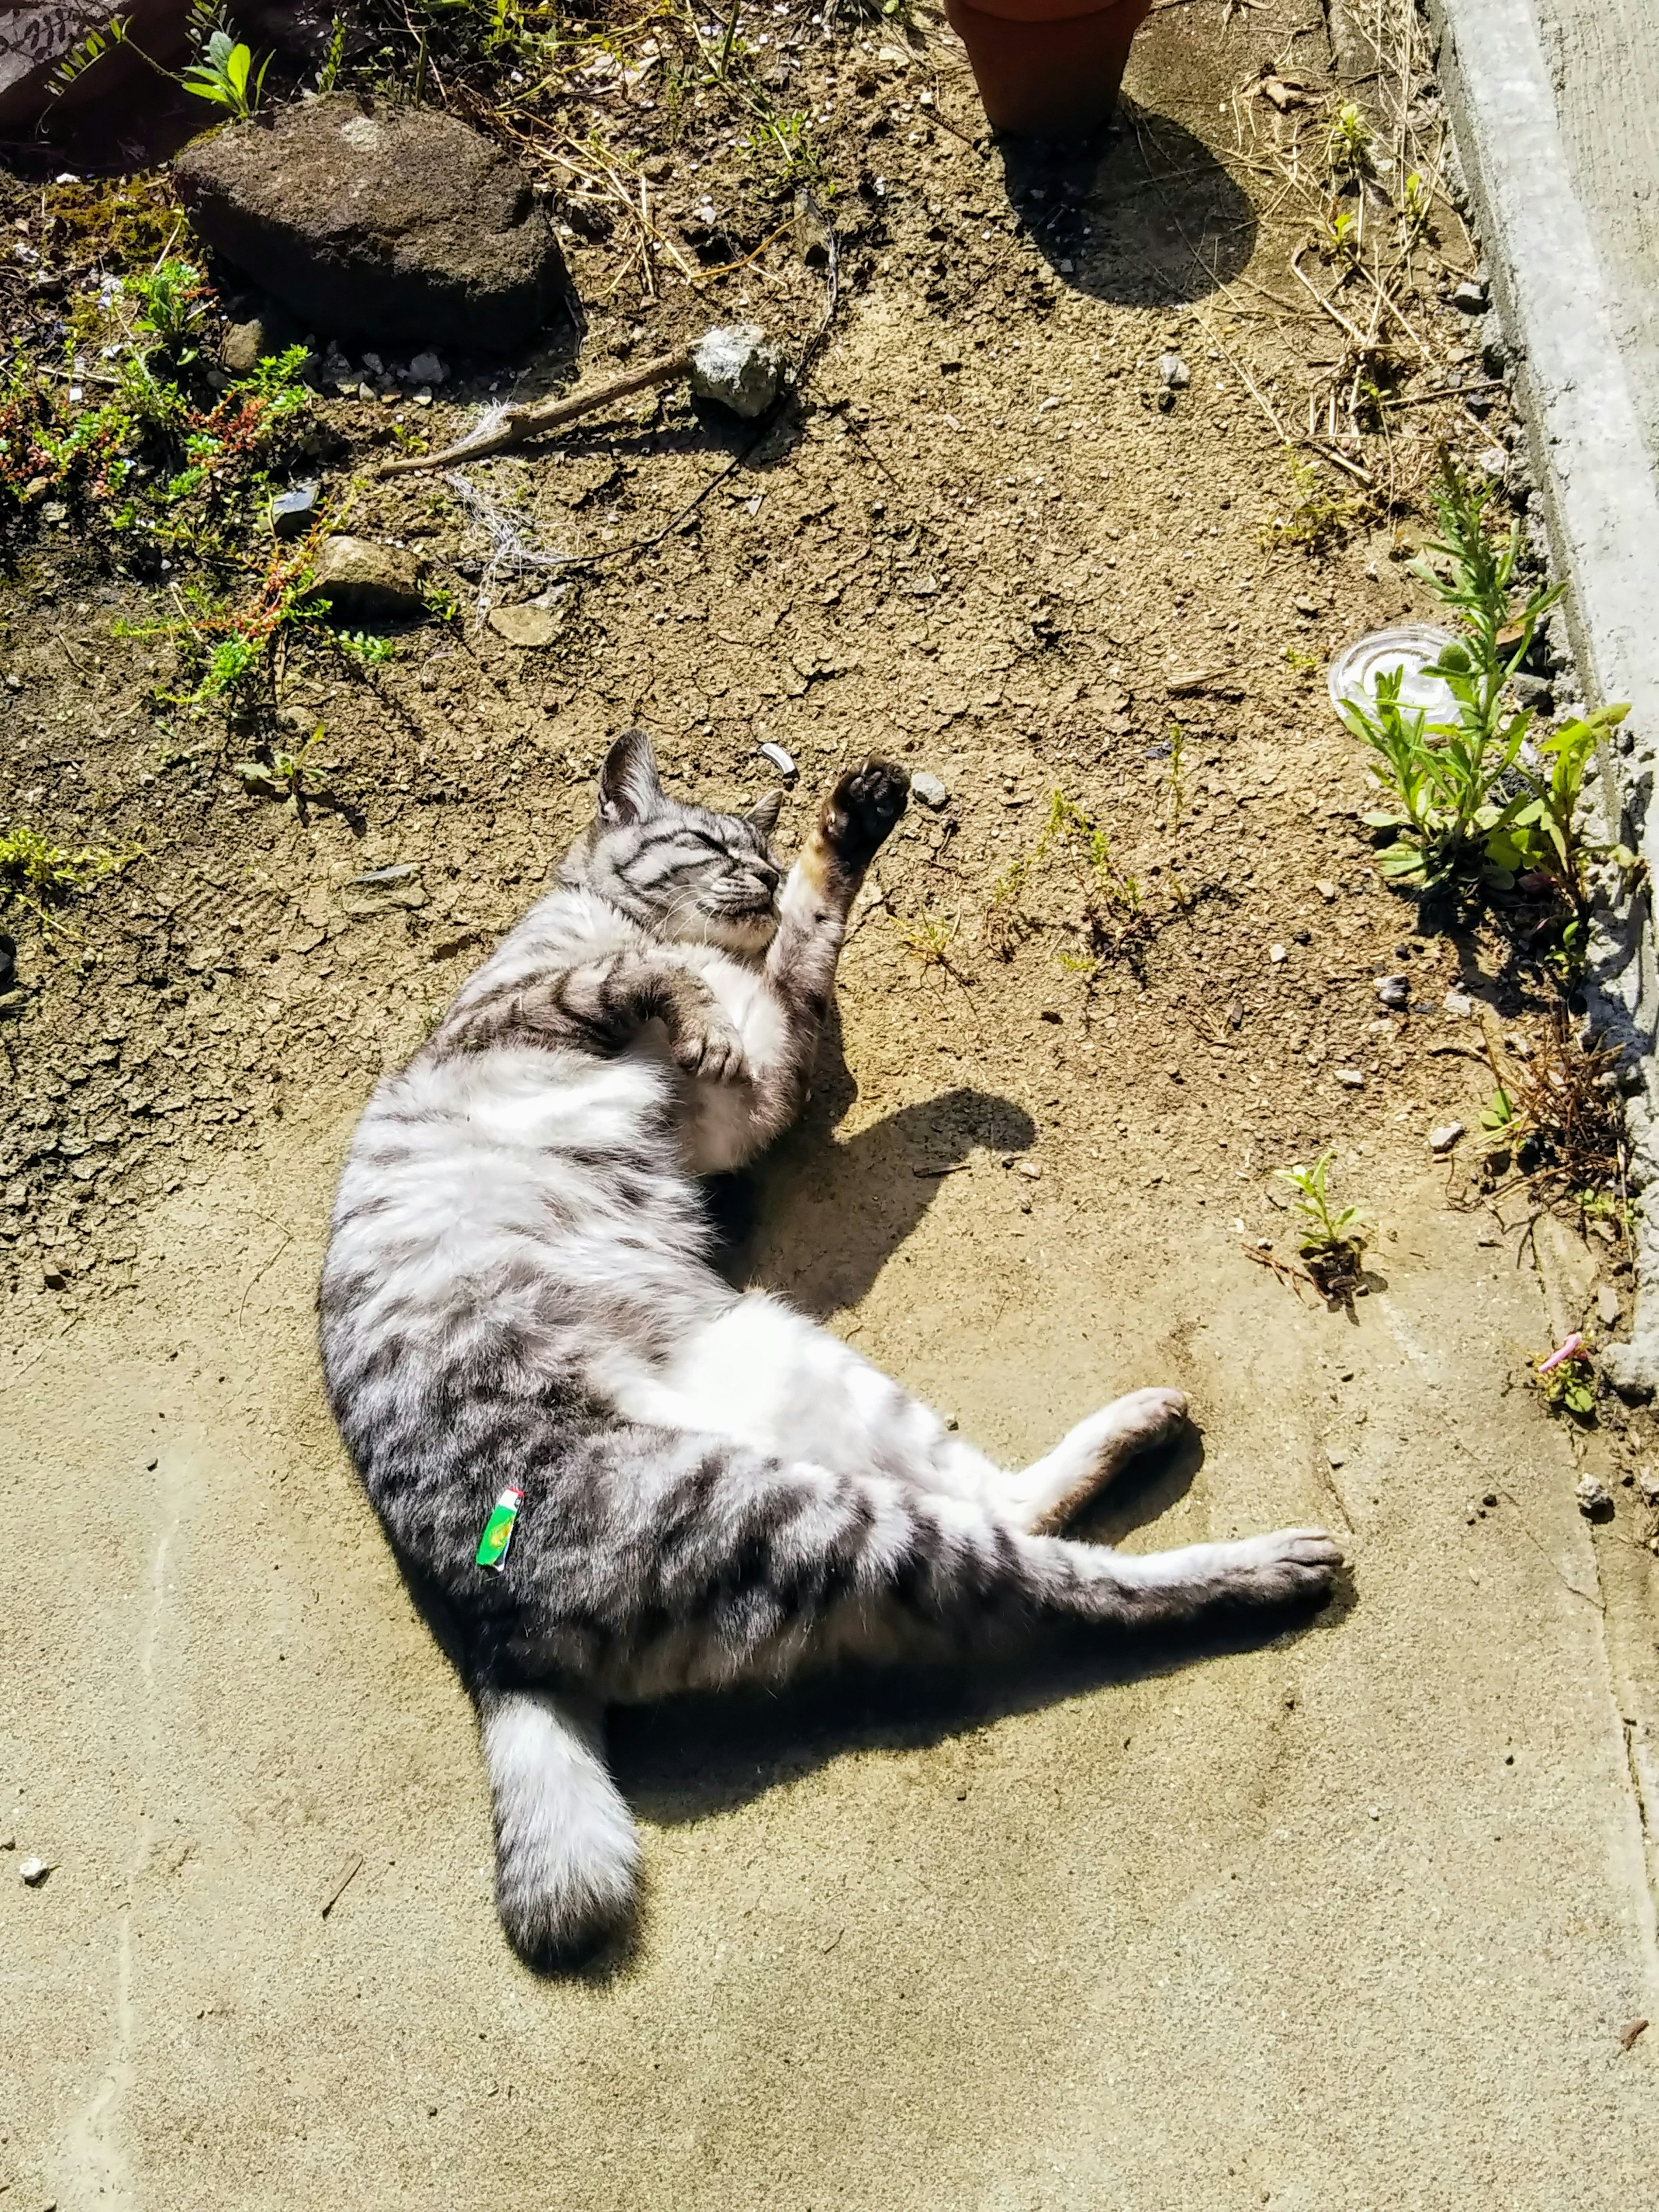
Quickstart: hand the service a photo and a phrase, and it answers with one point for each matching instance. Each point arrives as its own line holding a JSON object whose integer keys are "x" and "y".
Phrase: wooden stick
{"x": 528, "y": 422}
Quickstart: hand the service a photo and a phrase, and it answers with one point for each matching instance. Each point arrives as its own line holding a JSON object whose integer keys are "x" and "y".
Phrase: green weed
{"x": 224, "y": 75}
{"x": 1350, "y": 146}
{"x": 1442, "y": 778}
{"x": 285, "y": 775}
{"x": 1333, "y": 1242}
{"x": 41, "y": 875}
{"x": 1318, "y": 518}
{"x": 929, "y": 935}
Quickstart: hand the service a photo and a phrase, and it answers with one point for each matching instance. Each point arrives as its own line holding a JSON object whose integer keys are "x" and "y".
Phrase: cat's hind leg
{"x": 567, "y": 1853}
{"x": 1044, "y": 1497}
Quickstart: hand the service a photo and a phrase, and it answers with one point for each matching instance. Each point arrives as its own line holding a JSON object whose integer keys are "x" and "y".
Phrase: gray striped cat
{"x": 519, "y": 1292}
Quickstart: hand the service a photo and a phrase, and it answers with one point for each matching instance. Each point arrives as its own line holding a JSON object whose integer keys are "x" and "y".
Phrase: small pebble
{"x": 33, "y": 1871}
{"x": 1647, "y": 1486}
{"x": 1458, "y": 1005}
{"x": 1443, "y": 1138}
{"x": 292, "y": 511}
{"x": 1470, "y": 296}
{"x": 1607, "y": 1304}
{"x": 1595, "y": 1501}
{"x": 1327, "y": 891}
{"x": 1030, "y": 1168}
{"x": 1276, "y": 953}
{"x": 781, "y": 760}
{"x": 1394, "y": 990}
{"x": 1174, "y": 372}
{"x": 1351, "y": 1079}
{"x": 426, "y": 368}
{"x": 929, "y": 789}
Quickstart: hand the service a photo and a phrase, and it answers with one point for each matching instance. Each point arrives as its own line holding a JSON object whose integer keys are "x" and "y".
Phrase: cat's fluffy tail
{"x": 567, "y": 1855}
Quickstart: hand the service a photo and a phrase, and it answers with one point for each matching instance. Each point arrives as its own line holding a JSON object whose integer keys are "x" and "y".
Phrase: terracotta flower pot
{"x": 1047, "y": 69}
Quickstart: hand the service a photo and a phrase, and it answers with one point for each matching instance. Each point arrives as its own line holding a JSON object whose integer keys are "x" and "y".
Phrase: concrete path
{"x": 1357, "y": 1919}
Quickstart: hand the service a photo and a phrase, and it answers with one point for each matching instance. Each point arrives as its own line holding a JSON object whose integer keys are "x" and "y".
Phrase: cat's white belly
{"x": 719, "y": 1130}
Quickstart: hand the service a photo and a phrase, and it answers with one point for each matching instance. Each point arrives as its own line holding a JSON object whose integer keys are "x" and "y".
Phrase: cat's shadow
{"x": 819, "y": 1216}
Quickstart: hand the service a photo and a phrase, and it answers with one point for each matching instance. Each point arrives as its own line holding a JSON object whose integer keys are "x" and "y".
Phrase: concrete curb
{"x": 1602, "y": 507}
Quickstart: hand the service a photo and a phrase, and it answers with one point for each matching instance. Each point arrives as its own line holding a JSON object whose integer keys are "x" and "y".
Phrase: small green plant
{"x": 1349, "y": 144}
{"x": 1499, "y": 1118}
{"x": 1318, "y": 517}
{"x": 224, "y": 75}
{"x": 1462, "y": 793}
{"x": 1333, "y": 1244}
{"x": 86, "y": 53}
{"x": 929, "y": 935}
{"x": 170, "y": 304}
{"x": 367, "y": 650}
{"x": 329, "y": 75}
{"x": 1416, "y": 206}
{"x": 41, "y": 875}
{"x": 285, "y": 775}
{"x": 1321, "y": 1228}
{"x": 1567, "y": 1384}
{"x": 1341, "y": 238}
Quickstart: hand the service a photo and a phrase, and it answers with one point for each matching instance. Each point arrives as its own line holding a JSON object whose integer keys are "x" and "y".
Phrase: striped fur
{"x": 518, "y": 1291}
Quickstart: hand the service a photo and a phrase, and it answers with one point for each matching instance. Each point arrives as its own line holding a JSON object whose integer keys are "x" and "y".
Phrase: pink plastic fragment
{"x": 1569, "y": 1350}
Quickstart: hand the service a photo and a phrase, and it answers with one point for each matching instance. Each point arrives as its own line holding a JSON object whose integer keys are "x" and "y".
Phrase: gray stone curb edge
{"x": 1602, "y": 509}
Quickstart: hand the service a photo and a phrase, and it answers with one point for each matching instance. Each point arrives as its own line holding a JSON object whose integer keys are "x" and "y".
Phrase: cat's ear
{"x": 764, "y": 813}
{"x": 628, "y": 789}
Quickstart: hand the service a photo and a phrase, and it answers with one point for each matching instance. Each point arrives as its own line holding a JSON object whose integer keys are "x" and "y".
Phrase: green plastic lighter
{"x": 498, "y": 1530}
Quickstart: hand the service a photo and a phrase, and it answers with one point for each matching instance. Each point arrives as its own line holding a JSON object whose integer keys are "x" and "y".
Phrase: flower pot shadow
{"x": 1142, "y": 214}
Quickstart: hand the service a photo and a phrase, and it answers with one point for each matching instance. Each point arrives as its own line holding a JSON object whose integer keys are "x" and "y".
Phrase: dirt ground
{"x": 1364, "y": 1917}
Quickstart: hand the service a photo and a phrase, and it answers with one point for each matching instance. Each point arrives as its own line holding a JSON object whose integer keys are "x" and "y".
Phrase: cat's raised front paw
{"x": 863, "y": 808}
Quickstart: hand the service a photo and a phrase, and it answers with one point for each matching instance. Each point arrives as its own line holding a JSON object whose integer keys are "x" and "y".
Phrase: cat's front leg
{"x": 861, "y": 811}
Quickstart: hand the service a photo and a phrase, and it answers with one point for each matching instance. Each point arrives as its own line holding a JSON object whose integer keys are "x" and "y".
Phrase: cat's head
{"x": 682, "y": 871}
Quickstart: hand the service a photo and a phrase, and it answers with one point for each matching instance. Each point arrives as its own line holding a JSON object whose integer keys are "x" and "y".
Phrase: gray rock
{"x": 1470, "y": 296}
{"x": 379, "y": 582}
{"x": 1632, "y": 1369}
{"x": 1608, "y": 1305}
{"x": 402, "y": 225}
{"x": 536, "y": 623}
{"x": 1442, "y": 1140}
{"x": 34, "y": 40}
{"x": 426, "y": 368}
{"x": 1394, "y": 990}
{"x": 1647, "y": 1486}
{"x": 1595, "y": 1501}
{"x": 929, "y": 790}
{"x": 1351, "y": 1079}
{"x": 245, "y": 345}
{"x": 293, "y": 511}
{"x": 739, "y": 365}
{"x": 33, "y": 1871}
{"x": 1173, "y": 372}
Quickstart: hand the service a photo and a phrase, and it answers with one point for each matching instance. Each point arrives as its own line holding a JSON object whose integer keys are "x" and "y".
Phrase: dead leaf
{"x": 1284, "y": 92}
